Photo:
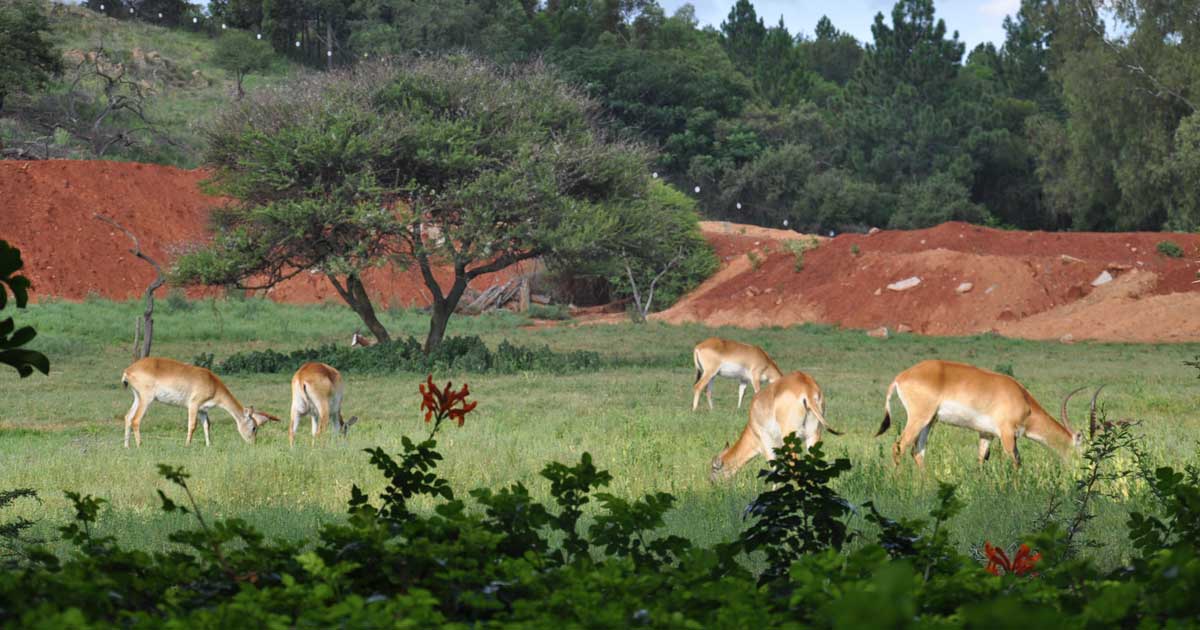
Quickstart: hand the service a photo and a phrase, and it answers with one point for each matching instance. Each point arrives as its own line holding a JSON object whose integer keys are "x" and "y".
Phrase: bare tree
{"x": 101, "y": 90}
{"x": 643, "y": 308}
{"x": 143, "y": 327}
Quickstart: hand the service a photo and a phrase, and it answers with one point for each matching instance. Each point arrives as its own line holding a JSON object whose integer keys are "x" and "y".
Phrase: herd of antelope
{"x": 991, "y": 404}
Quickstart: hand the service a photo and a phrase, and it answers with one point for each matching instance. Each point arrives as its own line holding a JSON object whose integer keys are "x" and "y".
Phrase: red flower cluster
{"x": 1022, "y": 564}
{"x": 439, "y": 404}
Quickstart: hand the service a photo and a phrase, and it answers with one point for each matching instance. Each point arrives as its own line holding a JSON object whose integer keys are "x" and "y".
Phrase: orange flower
{"x": 439, "y": 404}
{"x": 1022, "y": 564}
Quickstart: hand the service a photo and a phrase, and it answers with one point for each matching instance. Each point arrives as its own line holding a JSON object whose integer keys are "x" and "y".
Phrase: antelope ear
{"x": 351, "y": 421}
{"x": 726, "y": 443}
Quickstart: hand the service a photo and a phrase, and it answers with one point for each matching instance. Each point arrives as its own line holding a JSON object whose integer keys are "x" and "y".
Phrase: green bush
{"x": 458, "y": 354}
{"x": 556, "y": 312}
{"x": 1167, "y": 248}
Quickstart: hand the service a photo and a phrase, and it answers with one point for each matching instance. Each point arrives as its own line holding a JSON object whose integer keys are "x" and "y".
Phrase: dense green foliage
{"x": 508, "y": 560}
{"x": 240, "y": 54}
{"x": 23, "y": 360}
{"x": 467, "y": 354}
{"x": 29, "y": 58}
{"x": 450, "y": 162}
{"x": 1083, "y": 118}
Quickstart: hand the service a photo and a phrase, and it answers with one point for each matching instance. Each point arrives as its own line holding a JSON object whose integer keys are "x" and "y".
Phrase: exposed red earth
{"x": 47, "y": 207}
{"x": 1036, "y": 285}
{"x": 1024, "y": 284}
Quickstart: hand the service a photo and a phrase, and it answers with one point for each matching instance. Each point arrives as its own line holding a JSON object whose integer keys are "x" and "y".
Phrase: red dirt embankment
{"x": 1035, "y": 285}
{"x": 1024, "y": 284}
{"x": 46, "y": 209}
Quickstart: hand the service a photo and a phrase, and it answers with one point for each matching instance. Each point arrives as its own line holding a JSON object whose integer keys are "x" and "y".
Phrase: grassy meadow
{"x": 64, "y": 432}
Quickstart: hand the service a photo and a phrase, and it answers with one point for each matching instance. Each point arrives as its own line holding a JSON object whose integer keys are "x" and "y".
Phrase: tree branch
{"x": 501, "y": 262}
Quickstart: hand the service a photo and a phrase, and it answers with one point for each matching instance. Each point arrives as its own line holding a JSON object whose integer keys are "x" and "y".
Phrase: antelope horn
{"x": 1092, "y": 413}
{"x": 1066, "y": 420}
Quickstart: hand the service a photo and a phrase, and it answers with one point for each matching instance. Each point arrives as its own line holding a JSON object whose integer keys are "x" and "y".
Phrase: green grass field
{"x": 64, "y": 432}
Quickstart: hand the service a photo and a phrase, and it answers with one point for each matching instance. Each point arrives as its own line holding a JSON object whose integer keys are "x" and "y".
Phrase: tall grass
{"x": 65, "y": 431}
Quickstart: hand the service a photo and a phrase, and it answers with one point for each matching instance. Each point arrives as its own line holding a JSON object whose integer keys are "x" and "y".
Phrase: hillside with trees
{"x": 1083, "y": 118}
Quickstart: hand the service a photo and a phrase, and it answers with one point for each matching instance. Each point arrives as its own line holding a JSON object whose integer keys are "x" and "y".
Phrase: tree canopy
{"x": 445, "y": 161}
{"x": 1081, "y": 118}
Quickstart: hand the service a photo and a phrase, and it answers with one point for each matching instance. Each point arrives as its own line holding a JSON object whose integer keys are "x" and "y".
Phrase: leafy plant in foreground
{"x": 802, "y": 514}
{"x": 11, "y": 337}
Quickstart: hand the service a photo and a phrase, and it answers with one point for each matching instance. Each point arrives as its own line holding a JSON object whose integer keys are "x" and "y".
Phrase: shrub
{"x": 1167, "y": 248}
{"x": 755, "y": 260}
{"x": 464, "y": 354}
{"x": 798, "y": 247}
{"x": 178, "y": 302}
{"x": 557, "y": 312}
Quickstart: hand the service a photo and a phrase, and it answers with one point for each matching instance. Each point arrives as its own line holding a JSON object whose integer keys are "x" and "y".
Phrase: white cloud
{"x": 1000, "y": 8}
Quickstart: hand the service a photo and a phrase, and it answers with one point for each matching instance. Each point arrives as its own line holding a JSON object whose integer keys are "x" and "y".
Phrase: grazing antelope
{"x": 360, "y": 341}
{"x": 317, "y": 391}
{"x": 961, "y": 395}
{"x": 198, "y": 389}
{"x": 791, "y": 404}
{"x": 748, "y": 364}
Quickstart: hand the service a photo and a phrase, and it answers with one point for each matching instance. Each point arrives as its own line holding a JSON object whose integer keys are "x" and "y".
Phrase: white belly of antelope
{"x": 960, "y": 415}
{"x": 734, "y": 370}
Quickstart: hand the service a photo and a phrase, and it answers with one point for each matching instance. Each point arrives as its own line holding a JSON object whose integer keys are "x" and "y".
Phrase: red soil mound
{"x": 47, "y": 207}
{"x": 1026, "y": 284}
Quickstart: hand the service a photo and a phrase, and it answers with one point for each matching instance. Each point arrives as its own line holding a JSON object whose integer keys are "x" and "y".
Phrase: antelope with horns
{"x": 994, "y": 405}
{"x": 791, "y": 404}
{"x": 748, "y": 364}
{"x": 196, "y": 388}
{"x": 317, "y": 391}
{"x": 360, "y": 341}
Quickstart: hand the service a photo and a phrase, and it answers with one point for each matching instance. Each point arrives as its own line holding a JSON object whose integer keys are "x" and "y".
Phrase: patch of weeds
{"x": 1169, "y": 249}
{"x": 556, "y": 312}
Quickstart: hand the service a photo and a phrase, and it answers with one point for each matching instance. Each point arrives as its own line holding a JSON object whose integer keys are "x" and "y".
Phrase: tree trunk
{"x": 443, "y": 308}
{"x": 354, "y": 293}
{"x": 240, "y": 93}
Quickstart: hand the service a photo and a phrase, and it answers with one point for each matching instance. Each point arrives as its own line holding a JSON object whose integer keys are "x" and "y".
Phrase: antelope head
{"x": 1077, "y": 438}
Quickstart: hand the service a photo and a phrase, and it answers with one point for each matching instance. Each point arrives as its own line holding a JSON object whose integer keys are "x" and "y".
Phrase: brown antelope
{"x": 317, "y": 391}
{"x": 748, "y": 364}
{"x": 360, "y": 341}
{"x": 198, "y": 389}
{"x": 994, "y": 405}
{"x": 791, "y": 404}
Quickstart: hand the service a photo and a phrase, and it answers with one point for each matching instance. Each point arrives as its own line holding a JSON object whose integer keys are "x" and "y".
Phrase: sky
{"x": 976, "y": 21}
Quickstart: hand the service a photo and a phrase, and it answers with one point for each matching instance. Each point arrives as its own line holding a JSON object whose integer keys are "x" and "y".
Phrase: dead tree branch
{"x": 146, "y": 324}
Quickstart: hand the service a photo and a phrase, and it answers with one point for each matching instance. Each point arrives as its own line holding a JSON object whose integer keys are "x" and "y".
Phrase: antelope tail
{"x": 887, "y": 410}
{"x": 124, "y": 380}
{"x": 820, "y": 417}
{"x": 696, "y": 362}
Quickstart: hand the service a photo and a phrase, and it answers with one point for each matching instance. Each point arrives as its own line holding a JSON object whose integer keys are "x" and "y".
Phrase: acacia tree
{"x": 239, "y": 54}
{"x": 448, "y": 162}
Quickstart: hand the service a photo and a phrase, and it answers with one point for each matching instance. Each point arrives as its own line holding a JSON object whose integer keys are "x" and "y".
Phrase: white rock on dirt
{"x": 878, "y": 333}
{"x": 1103, "y": 278}
{"x": 964, "y": 288}
{"x": 905, "y": 284}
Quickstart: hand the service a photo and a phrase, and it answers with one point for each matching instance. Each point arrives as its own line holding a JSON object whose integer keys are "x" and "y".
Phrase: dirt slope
{"x": 46, "y": 209}
{"x": 1023, "y": 284}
